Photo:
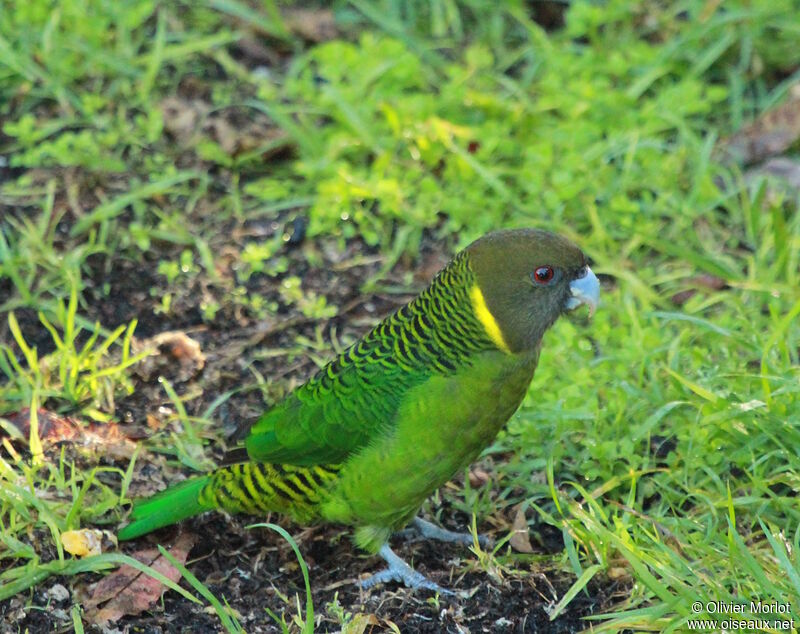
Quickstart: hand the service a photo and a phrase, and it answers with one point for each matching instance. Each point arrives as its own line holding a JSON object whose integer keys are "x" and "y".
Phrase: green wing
{"x": 355, "y": 398}
{"x": 335, "y": 413}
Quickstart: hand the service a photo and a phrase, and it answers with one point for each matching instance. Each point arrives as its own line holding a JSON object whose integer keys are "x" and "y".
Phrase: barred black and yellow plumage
{"x": 436, "y": 331}
{"x": 394, "y": 416}
{"x": 255, "y": 488}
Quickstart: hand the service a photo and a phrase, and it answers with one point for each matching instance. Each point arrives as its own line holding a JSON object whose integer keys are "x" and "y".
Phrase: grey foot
{"x": 428, "y": 530}
{"x": 399, "y": 570}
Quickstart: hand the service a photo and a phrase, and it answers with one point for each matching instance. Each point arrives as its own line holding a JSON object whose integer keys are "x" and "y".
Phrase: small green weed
{"x": 82, "y": 377}
{"x": 304, "y": 617}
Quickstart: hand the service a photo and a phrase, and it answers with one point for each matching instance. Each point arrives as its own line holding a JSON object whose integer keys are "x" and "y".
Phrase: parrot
{"x": 369, "y": 437}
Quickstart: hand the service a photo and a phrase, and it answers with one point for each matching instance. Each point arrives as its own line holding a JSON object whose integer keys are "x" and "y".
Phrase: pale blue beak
{"x": 584, "y": 290}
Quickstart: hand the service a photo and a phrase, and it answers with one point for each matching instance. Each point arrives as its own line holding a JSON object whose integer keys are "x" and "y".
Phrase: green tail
{"x": 168, "y": 507}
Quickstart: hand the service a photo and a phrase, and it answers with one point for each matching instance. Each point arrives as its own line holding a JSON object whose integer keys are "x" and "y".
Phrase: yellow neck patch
{"x": 486, "y": 318}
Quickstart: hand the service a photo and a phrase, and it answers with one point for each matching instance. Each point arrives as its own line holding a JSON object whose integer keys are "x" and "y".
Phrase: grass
{"x": 660, "y": 438}
{"x": 82, "y": 376}
{"x": 305, "y": 618}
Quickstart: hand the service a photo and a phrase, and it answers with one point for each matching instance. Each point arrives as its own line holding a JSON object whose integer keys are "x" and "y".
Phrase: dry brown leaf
{"x": 619, "y": 573}
{"x": 237, "y": 134}
{"x": 127, "y": 591}
{"x": 255, "y": 52}
{"x": 169, "y": 347}
{"x": 520, "y": 541}
{"x": 769, "y": 135}
{"x": 182, "y": 117}
{"x": 53, "y": 428}
{"x": 702, "y": 281}
{"x": 478, "y": 477}
{"x": 106, "y": 439}
{"x": 235, "y": 130}
{"x": 154, "y": 423}
{"x": 313, "y": 25}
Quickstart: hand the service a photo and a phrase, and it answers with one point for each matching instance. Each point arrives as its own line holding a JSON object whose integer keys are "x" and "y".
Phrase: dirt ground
{"x": 251, "y": 568}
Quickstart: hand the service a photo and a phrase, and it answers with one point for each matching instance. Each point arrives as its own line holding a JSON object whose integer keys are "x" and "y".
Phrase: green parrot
{"x": 378, "y": 429}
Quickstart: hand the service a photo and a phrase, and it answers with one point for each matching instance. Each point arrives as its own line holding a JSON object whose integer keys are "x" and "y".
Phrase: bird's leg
{"x": 399, "y": 570}
{"x": 428, "y": 530}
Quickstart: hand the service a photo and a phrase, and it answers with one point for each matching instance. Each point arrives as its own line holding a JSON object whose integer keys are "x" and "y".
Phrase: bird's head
{"x": 525, "y": 279}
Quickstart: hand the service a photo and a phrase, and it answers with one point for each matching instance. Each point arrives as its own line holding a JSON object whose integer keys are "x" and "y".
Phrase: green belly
{"x": 442, "y": 426}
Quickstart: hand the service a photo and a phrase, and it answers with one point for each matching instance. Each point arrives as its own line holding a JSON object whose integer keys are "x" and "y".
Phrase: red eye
{"x": 543, "y": 274}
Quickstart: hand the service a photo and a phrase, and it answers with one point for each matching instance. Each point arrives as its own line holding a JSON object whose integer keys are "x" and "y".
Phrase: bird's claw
{"x": 399, "y": 570}
{"x": 428, "y": 530}
{"x": 412, "y": 579}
